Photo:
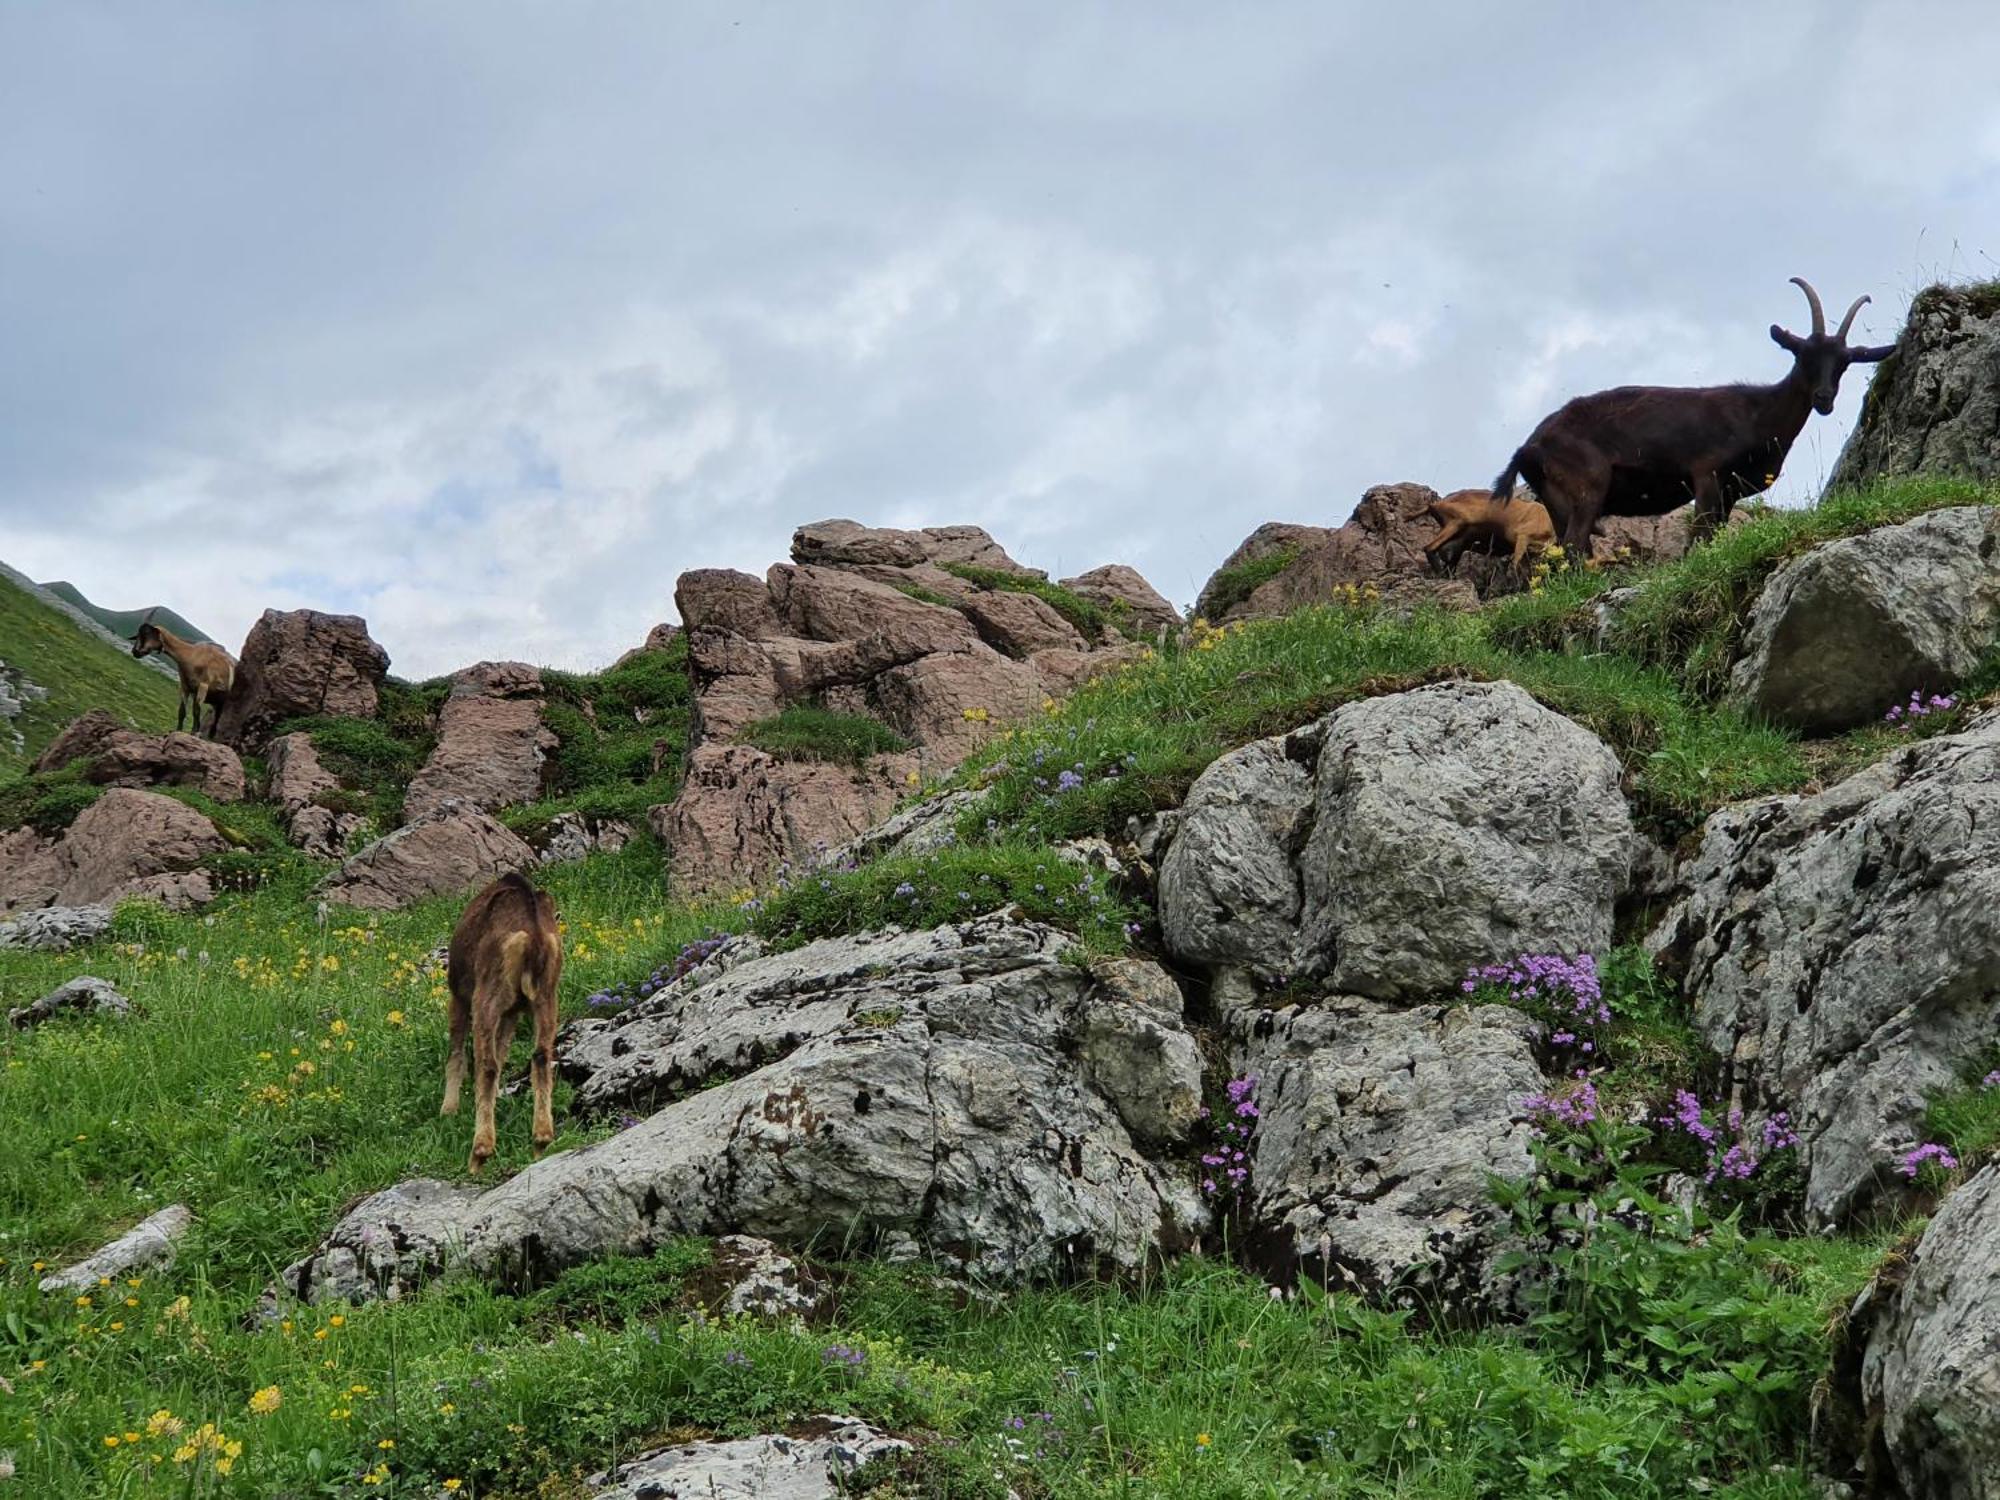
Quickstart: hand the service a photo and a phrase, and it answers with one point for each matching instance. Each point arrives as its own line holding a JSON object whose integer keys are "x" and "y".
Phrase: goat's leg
{"x": 543, "y": 1072}
{"x": 200, "y": 702}
{"x": 1520, "y": 550}
{"x": 455, "y": 1052}
{"x": 1436, "y": 545}
{"x": 1708, "y": 507}
{"x": 492, "y": 1037}
{"x": 180, "y": 713}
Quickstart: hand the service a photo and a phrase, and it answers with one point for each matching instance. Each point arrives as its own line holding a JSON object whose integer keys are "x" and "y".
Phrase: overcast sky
{"x": 487, "y": 320}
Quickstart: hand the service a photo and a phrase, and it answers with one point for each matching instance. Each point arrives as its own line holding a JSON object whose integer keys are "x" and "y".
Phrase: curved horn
{"x": 1818, "y": 312}
{"x": 1848, "y": 321}
{"x": 149, "y": 615}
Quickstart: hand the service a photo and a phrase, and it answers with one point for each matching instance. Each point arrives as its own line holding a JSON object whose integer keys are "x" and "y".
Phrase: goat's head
{"x": 1821, "y": 358}
{"x": 146, "y": 639}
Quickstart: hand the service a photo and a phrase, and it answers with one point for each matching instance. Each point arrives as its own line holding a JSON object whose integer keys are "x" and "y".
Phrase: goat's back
{"x": 507, "y": 938}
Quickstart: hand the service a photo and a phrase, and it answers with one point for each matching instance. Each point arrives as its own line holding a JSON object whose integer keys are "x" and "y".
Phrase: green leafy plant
{"x": 803, "y": 732}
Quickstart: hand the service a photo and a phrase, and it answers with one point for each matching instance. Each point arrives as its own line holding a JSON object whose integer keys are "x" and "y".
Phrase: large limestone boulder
{"x": 303, "y": 787}
{"x": 446, "y": 852}
{"x": 300, "y": 662}
{"x": 742, "y": 813}
{"x": 55, "y": 929}
{"x": 1400, "y": 841}
{"x": 767, "y": 1467}
{"x": 1933, "y": 406}
{"x": 1854, "y": 626}
{"x": 1842, "y": 951}
{"x": 117, "y": 755}
{"x": 148, "y": 1245}
{"x": 1928, "y": 1414}
{"x": 1378, "y": 1131}
{"x": 491, "y": 742}
{"x": 965, "y": 1087}
{"x": 126, "y": 844}
{"x": 85, "y": 995}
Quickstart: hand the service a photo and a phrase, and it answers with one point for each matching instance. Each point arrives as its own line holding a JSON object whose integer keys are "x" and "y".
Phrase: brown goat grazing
{"x": 1474, "y": 516}
{"x": 208, "y": 673}
{"x": 1643, "y": 450}
{"x": 505, "y": 958}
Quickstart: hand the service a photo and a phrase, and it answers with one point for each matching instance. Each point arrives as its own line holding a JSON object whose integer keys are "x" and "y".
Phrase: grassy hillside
{"x": 124, "y": 622}
{"x": 79, "y": 671}
{"x": 283, "y": 1062}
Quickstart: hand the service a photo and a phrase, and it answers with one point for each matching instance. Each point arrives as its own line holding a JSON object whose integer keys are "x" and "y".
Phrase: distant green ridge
{"x": 124, "y": 623}
{"x": 43, "y": 648}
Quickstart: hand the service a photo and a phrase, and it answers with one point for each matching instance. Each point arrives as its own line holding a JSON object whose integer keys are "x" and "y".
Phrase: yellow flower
{"x": 394, "y": 1018}
{"x": 319, "y": 1333}
{"x": 111, "y": 1440}
{"x": 131, "y": 1301}
{"x": 357, "y": 1390}
{"x": 454, "y": 1485}
{"x": 116, "y": 1327}
{"x": 224, "y": 1465}
{"x": 447, "y": 1409}
{"x": 83, "y": 1301}
{"x": 131, "y": 1437}
{"x": 330, "y": 963}
{"x": 1202, "y": 1440}
{"x": 178, "y": 1308}
{"x": 162, "y": 1423}
{"x": 266, "y": 1401}
{"x": 336, "y": 1320}
{"x": 386, "y": 1444}
{"x": 337, "y": 1027}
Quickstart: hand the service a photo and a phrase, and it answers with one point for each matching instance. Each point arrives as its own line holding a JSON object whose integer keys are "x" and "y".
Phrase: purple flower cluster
{"x": 1991, "y": 1080}
{"x": 1226, "y": 1165}
{"x": 737, "y": 1359}
{"x": 843, "y": 1354}
{"x": 1574, "y": 1106}
{"x": 1930, "y": 1151}
{"x": 628, "y": 992}
{"x": 1034, "y": 1436}
{"x": 1920, "y": 707}
{"x": 1727, "y": 1146}
{"x": 1565, "y": 992}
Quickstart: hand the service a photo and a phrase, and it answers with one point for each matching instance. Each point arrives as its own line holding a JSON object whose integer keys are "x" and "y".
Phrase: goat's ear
{"x": 1870, "y": 354}
{"x": 1789, "y": 342}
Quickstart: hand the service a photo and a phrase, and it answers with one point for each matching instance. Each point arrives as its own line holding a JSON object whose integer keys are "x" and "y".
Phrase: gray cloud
{"x": 488, "y": 320}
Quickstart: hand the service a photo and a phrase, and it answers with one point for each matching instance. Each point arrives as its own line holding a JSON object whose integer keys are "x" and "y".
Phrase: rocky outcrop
{"x": 742, "y": 813}
{"x": 815, "y": 1466}
{"x": 1854, "y": 626}
{"x": 446, "y": 852}
{"x": 126, "y": 844}
{"x": 1842, "y": 954}
{"x": 55, "y": 929}
{"x": 17, "y": 691}
{"x": 573, "y": 835}
{"x": 870, "y": 622}
{"x": 921, "y": 828}
{"x": 491, "y": 742}
{"x": 660, "y": 638}
{"x": 118, "y": 755}
{"x": 147, "y": 1245}
{"x": 1382, "y": 544}
{"x": 85, "y": 995}
{"x": 1934, "y": 405}
{"x": 963, "y": 1086}
{"x": 1923, "y": 1422}
{"x": 1378, "y": 1131}
{"x": 301, "y": 662}
{"x": 307, "y": 794}
{"x": 1400, "y": 841}
{"x": 1146, "y": 615}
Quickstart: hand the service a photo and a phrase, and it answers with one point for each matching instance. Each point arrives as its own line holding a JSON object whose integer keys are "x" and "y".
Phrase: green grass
{"x": 125, "y": 622}
{"x": 612, "y": 727}
{"x": 80, "y": 672}
{"x": 802, "y": 732}
{"x": 1091, "y": 618}
{"x": 1233, "y": 584}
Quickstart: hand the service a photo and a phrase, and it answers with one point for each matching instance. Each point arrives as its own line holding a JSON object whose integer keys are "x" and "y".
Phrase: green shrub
{"x": 802, "y": 732}
{"x": 47, "y": 802}
{"x": 1236, "y": 582}
{"x": 1090, "y": 618}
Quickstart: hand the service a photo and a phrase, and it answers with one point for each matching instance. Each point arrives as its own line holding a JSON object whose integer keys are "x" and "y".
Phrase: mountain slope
{"x": 124, "y": 623}
{"x": 75, "y": 668}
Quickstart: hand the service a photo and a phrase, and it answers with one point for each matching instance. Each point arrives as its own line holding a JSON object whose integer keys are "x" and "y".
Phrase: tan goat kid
{"x": 506, "y": 958}
{"x": 208, "y": 673}
{"x": 1471, "y": 516}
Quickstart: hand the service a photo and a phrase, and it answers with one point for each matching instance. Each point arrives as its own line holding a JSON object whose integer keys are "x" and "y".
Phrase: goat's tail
{"x": 532, "y": 959}
{"x": 1503, "y": 482}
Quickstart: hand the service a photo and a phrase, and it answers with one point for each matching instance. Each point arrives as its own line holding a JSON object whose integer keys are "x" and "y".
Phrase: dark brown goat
{"x": 506, "y": 958}
{"x": 1643, "y": 450}
{"x": 208, "y": 673}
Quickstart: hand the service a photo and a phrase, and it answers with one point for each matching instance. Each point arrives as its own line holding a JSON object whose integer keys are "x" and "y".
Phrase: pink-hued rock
{"x": 447, "y": 851}
{"x": 298, "y": 662}
{"x": 848, "y": 544}
{"x": 659, "y": 638}
{"x": 1146, "y": 612}
{"x": 1018, "y": 625}
{"x": 128, "y": 843}
{"x": 298, "y": 784}
{"x": 122, "y": 756}
{"x": 1063, "y": 672}
{"x": 491, "y": 742}
{"x": 951, "y": 703}
{"x": 744, "y": 813}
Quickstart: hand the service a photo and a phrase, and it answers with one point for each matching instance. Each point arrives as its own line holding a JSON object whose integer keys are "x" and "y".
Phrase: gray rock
{"x": 1854, "y": 626}
{"x": 1377, "y": 1132}
{"x": 385, "y": 1244}
{"x": 84, "y": 995}
{"x": 573, "y": 836}
{"x": 1931, "y": 1367}
{"x": 1934, "y": 405}
{"x": 921, "y": 828}
{"x": 770, "y": 1467}
{"x": 764, "y": 1281}
{"x": 55, "y": 929}
{"x": 149, "y": 1244}
{"x": 1606, "y": 612}
{"x": 925, "y": 1084}
{"x": 1842, "y": 952}
{"x": 1447, "y": 826}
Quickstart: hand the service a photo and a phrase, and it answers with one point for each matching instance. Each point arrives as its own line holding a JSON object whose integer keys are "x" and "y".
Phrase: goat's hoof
{"x": 449, "y": 1107}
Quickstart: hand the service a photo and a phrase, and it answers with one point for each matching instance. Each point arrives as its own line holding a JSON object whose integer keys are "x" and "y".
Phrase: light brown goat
{"x": 506, "y": 958}
{"x": 208, "y": 673}
{"x": 1471, "y": 516}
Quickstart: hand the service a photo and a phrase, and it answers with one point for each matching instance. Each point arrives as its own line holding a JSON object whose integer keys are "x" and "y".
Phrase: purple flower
{"x": 737, "y": 1358}
{"x": 1069, "y": 781}
{"x": 1991, "y": 1080}
{"x": 1929, "y": 1151}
